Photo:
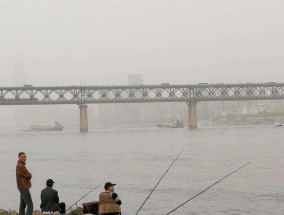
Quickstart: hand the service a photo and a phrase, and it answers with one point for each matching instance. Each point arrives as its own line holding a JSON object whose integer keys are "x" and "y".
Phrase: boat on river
{"x": 56, "y": 127}
{"x": 175, "y": 124}
{"x": 278, "y": 124}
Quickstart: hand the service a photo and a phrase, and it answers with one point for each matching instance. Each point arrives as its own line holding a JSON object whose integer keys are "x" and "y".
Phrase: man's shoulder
{"x": 52, "y": 190}
{"x": 19, "y": 165}
{"x": 49, "y": 191}
{"x": 44, "y": 190}
{"x": 105, "y": 192}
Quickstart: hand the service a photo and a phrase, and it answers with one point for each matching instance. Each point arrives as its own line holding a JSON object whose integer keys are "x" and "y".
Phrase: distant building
{"x": 135, "y": 79}
{"x": 122, "y": 113}
{"x": 20, "y": 113}
{"x": 19, "y": 72}
{"x": 133, "y": 111}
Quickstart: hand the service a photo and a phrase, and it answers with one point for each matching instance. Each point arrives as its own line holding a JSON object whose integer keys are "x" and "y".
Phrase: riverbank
{"x": 3, "y": 212}
{"x": 77, "y": 211}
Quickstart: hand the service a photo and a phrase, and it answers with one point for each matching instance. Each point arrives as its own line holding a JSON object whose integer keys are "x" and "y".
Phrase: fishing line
{"x": 83, "y": 197}
{"x": 159, "y": 182}
{"x": 210, "y": 187}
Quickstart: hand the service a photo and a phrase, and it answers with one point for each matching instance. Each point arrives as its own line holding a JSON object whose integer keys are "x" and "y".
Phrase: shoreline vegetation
{"x": 77, "y": 211}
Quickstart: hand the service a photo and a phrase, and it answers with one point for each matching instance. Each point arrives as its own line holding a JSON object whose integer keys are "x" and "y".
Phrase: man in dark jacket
{"x": 23, "y": 177}
{"x": 49, "y": 198}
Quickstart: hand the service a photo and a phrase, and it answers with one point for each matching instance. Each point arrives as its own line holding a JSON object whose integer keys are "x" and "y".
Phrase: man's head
{"x": 49, "y": 183}
{"x": 109, "y": 186}
{"x": 22, "y": 157}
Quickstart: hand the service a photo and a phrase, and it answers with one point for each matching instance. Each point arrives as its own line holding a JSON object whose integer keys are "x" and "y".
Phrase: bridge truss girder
{"x": 139, "y": 94}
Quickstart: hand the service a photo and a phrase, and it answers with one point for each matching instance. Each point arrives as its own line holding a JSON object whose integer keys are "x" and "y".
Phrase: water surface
{"x": 135, "y": 159}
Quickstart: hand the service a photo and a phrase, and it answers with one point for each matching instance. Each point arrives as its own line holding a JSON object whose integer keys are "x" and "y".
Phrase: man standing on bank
{"x": 49, "y": 198}
{"x": 23, "y": 177}
{"x": 109, "y": 202}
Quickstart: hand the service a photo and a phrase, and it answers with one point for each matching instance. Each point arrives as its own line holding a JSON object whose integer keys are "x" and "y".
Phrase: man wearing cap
{"x": 49, "y": 198}
{"x": 23, "y": 177}
{"x": 109, "y": 202}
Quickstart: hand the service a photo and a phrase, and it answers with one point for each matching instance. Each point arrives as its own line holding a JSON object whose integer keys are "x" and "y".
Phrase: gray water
{"x": 135, "y": 159}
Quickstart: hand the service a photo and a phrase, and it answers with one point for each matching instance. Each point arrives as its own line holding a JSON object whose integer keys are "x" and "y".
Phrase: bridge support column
{"x": 192, "y": 116}
{"x": 83, "y": 118}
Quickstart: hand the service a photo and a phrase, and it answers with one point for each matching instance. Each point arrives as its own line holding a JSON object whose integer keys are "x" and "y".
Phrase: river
{"x": 135, "y": 159}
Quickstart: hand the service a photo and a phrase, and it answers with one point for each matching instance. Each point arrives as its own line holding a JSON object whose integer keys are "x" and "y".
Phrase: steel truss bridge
{"x": 30, "y": 95}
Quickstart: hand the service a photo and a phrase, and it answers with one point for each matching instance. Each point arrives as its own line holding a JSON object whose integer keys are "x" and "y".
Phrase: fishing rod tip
{"x": 256, "y": 160}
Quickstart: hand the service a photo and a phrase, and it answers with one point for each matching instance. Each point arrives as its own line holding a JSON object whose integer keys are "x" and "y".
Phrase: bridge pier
{"x": 192, "y": 116}
{"x": 83, "y": 118}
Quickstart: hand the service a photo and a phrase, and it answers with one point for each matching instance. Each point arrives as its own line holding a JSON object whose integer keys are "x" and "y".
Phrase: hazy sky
{"x": 179, "y": 41}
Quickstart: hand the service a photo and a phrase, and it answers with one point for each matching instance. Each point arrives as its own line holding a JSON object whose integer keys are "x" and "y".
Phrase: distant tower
{"x": 133, "y": 113}
{"x": 19, "y": 72}
{"x": 135, "y": 79}
{"x": 20, "y": 112}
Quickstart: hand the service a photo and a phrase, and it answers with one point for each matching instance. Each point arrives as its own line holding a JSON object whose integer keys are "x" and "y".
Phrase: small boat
{"x": 56, "y": 127}
{"x": 164, "y": 125}
{"x": 278, "y": 124}
{"x": 175, "y": 124}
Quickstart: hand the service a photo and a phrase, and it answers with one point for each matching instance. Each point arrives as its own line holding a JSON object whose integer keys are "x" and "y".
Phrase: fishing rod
{"x": 210, "y": 187}
{"x": 83, "y": 197}
{"x": 159, "y": 182}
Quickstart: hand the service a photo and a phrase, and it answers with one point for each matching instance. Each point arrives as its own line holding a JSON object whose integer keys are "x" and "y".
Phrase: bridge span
{"x": 190, "y": 94}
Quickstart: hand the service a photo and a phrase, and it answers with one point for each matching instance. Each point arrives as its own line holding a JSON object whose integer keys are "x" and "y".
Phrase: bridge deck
{"x": 30, "y": 95}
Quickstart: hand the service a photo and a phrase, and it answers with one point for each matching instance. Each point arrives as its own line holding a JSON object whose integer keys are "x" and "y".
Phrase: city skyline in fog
{"x": 102, "y": 42}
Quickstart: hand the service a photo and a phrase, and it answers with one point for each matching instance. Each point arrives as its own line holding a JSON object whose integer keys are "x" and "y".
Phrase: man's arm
{"x": 116, "y": 199}
{"x": 43, "y": 201}
{"x": 24, "y": 172}
{"x": 56, "y": 197}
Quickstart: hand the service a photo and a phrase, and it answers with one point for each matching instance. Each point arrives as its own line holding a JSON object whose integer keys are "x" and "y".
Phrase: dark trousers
{"x": 26, "y": 200}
